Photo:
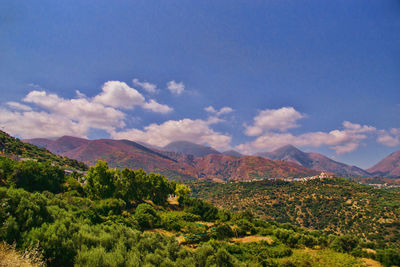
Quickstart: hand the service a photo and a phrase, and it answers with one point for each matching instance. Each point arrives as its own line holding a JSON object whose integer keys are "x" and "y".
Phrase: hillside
{"x": 125, "y": 218}
{"x": 174, "y": 165}
{"x": 60, "y": 145}
{"x": 14, "y": 147}
{"x": 189, "y": 148}
{"x": 332, "y": 205}
{"x": 124, "y": 153}
{"x": 389, "y": 166}
{"x": 313, "y": 161}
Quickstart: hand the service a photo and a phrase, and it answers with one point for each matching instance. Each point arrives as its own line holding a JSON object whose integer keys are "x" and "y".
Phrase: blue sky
{"x": 322, "y": 75}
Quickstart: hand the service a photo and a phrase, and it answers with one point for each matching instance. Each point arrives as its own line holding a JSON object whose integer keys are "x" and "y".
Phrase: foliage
{"x": 113, "y": 218}
{"x": 334, "y": 206}
{"x": 196, "y": 206}
{"x": 146, "y": 216}
{"x": 182, "y": 190}
{"x": 15, "y": 148}
{"x": 36, "y": 176}
{"x": 345, "y": 243}
{"x": 389, "y": 257}
{"x": 131, "y": 186}
{"x": 224, "y": 231}
{"x": 100, "y": 181}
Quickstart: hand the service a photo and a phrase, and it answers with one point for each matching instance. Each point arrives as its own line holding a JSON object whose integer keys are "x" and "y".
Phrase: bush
{"x": 345, "y": 243}
{"x": 196, "y": 206}
{"x": 36, "y": 176}
{"x": 146, "y": 216}
{"x": 389, "y": 257}
{"x": 224, "y": 231}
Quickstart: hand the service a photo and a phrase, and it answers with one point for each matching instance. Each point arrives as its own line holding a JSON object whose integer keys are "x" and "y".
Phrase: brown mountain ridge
{"x": 175, "y": 164}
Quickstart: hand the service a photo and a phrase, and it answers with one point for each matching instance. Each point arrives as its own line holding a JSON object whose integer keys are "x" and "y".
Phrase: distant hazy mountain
{"x": 233, "y": 153}
{"x": 188, "y": 148}
{"x": 60, "y": 145}
{"x": 313, "y": 161}
{"x": 152, "y": 147}
{"x": 389, "y": 166}
{"x": 182, "y": 164}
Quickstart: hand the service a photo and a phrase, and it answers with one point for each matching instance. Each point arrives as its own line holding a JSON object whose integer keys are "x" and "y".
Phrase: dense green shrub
{"x": 224, "y": 231}
{"x": 389, "y": 257}
{"x": 205, "y": 210}
{"x": 146, "y": 216}
{"x": 36, "y": 176}
{"x": 345, "y": 243}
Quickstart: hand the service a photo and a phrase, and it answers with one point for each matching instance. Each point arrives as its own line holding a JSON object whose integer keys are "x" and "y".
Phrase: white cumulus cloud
{"x": 88, "y": 113}
{"x": 59, "y": 116}
{"x": 175, "y": 87}
{"x": 119, "y": 95}
{"x": 274, "y": 119}
{"x": 198, "y": 131}
{"x": 156, "y": 107}
{"x": 31, "y": 124}
{"x": 342, "y": 141}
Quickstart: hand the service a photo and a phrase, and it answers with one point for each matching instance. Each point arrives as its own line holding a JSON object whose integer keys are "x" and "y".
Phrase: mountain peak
{"x": 287, "y": 148}
{"x": 189, "y": 148}
{"x": 313, "y": 161}
{"x": 69, "y": 137}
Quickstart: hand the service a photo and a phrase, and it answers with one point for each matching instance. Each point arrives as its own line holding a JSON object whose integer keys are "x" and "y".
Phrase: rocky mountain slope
{"x": 389, "y": 166}
{"x": 313, "y": 161}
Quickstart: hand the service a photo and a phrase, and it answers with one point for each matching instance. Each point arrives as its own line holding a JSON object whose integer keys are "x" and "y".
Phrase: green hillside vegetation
{"x": 334, "y": 206}
{"x": 14, "y": 147}
{"x": 125, "y": 218}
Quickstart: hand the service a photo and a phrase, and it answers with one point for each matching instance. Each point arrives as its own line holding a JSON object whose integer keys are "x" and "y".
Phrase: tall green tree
{"x": 100, "y": 181}
{"x": 160, "y": 188}
{"x": 36, "y": 176}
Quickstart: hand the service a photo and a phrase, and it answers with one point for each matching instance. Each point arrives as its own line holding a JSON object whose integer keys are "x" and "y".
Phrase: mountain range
{"x": 186, "y": 160}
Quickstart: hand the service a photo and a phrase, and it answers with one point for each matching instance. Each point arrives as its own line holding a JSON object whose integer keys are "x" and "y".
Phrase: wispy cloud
{"x": 224, "y": 110}
{"x": 389, "y": 138}
{"x": 18, "y": 106}
{"x": 148, "y": 87}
